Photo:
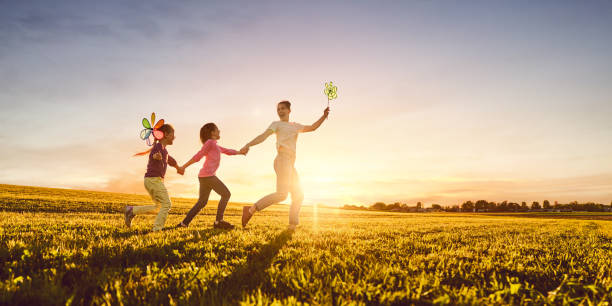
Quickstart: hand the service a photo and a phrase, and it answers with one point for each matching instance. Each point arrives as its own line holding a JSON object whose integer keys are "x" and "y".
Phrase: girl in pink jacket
{"x": 209, "y": 134}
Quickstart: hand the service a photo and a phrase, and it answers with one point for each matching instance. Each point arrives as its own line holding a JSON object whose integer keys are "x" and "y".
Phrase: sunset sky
{"x": 439, "y": 101}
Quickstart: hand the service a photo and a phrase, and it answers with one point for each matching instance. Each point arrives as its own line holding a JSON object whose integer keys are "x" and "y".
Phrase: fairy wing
{"x": 145, "y": 133}
{"x": 145, "y": 123}
{"x": 159, "y": 124}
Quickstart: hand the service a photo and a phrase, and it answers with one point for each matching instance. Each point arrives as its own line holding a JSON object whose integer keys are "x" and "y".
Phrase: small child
{"x": 154, "y": 180}
{"x": 209, "y": 134}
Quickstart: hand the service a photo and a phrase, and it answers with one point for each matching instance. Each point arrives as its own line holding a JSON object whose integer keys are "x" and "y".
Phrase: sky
{"x": 438, "y": 101}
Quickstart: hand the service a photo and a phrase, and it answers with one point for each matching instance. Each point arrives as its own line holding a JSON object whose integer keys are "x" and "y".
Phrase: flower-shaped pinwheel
{"x": 330, "y": 91}
{"x": 145, "y": 134}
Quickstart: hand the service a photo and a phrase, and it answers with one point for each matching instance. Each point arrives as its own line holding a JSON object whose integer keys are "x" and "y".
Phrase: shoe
{"x": 181, "y": 225}
{"x": 292, "y": 227}
{"x": 223, "y": 225}
{"x": 129, "y": 215}
{"x": 246, "y": 215}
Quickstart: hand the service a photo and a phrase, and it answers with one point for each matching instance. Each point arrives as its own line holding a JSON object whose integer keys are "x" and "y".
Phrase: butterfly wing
{"x": 145, "y": 133}
{"x": 145, "y": 123}
{"x": 159, "y": 124}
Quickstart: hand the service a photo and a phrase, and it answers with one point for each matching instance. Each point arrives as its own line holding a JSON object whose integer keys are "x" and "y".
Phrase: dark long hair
{"x": 206, "y": 131}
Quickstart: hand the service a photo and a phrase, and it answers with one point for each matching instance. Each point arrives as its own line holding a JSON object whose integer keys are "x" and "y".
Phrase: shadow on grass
{"x": 163, "y": 254}
{"x": 247, "y": 276}
{"x": 86, "y": 280}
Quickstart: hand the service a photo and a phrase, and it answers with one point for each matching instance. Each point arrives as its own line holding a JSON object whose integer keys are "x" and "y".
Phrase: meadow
{"x": 68, "y": 247}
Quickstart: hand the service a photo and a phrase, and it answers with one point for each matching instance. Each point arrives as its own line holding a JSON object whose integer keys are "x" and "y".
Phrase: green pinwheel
{"x": 330, "y": 91}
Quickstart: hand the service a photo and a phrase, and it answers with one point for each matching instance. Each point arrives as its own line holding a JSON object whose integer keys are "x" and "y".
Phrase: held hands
{"x": 180, "y": 170}
{"x": 244, "y": 150}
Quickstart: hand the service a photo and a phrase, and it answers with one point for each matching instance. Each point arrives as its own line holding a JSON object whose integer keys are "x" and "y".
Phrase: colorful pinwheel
{"x": 145, "y": 134}
{"x": 330, "y": 91}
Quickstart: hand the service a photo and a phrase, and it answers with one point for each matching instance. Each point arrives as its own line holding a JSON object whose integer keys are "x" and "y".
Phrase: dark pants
{"x": 206, "y": 185}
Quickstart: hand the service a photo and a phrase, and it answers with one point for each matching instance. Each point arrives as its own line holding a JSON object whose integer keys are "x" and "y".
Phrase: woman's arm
{"x": 257, "y": 140}
{"x": 317, "y": 124}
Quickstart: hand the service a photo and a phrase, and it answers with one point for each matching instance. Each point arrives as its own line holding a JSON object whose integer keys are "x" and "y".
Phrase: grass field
{"x": 70, "y": 247}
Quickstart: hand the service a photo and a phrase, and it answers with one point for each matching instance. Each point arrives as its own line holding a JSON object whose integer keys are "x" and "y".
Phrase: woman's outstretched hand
{"x": 244, "y": 150}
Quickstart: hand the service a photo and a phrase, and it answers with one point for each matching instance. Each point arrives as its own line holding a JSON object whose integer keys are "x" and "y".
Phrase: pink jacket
{"x": 212, "y": 151}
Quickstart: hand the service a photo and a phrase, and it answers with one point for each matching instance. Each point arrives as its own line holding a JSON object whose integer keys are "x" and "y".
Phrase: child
{"x": 287, "y": 179}
{"x": 209, "y": 134}
{"x": 154, "y": 181}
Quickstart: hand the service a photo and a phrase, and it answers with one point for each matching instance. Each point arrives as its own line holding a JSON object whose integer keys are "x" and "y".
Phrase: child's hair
{"x": 206, "y": 131}
{"x": 166, "y": 128}
{"x": 286, "y": 103}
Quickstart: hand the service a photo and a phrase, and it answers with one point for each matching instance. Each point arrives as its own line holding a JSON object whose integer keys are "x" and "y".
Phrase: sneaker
{"x": 246, "y": 215}
{"x": 223, "y": 225}
{"x": 129, "y": 215}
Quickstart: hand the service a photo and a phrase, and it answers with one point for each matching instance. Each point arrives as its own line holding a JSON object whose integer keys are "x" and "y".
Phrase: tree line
{"x": 486, "y": 206}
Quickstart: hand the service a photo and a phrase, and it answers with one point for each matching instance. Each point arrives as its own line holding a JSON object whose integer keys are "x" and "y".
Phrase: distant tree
{"x": 436, "y": 206}
{"x": 419, "y": 205}
{"x": 454, "y": 208}
{"x": 546, "y": 204}
{"x": 503, "y": 206}
{"x": 481, "y": 205}
{"x": 556, "y": 204}
{"x": 491, "y": 206}
{"x": 467, "y": 206}
{"x": 513, "y": 206}
{"x": 395, "y": 205}
{"x": 379, "y": 206}
{"x": 535, "y": 205}
{"x": 524, "y": 206}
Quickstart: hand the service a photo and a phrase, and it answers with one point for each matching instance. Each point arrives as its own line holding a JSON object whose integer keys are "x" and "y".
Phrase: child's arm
{"x": 189, "y": 163}
{"x": 230, "y": 151}
{"x": 317, "y": 124}
{"x": 196, "y": 158}
{"x": 172, "y": 163}
{"x": 257, "y": 140}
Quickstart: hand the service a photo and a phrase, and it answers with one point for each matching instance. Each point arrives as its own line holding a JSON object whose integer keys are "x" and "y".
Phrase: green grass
{"x": 70, "y": 247}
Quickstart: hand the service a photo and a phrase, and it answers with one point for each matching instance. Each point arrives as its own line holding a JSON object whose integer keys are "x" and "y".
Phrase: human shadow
{"x": 247, "y": 276}
{"x": 164, "y": 254}
{"x": 84, "y": 282}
